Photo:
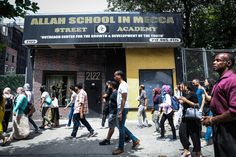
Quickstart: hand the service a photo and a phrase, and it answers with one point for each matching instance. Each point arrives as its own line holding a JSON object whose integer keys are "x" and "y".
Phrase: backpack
{"x": 174, "y": 103}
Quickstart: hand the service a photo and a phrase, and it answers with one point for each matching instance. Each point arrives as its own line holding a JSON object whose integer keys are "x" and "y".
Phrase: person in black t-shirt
{"x": 112, "y": 113}
{"x": 190, "y": 127}
{"x": 106, "y": 97}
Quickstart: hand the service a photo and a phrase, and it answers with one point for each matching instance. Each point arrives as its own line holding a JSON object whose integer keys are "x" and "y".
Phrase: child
{"x": 2, "y": 111}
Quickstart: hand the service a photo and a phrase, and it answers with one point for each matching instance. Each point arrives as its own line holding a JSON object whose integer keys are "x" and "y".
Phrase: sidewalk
{"x": 52, "y": 143}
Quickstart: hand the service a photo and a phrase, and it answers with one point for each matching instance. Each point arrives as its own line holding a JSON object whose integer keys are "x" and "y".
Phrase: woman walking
{"x": 55, "y": 116}
{"x": 8, "y": 108}
{"x": 166, "y": 111}
{"x": 190, "y": 127}
{"x": 21, "y": 128}
{"x": 46, "y": 101}
{"x": 71, "y": 104}
{"x": 156, "y": 113}
{"x": 208, "y": 86}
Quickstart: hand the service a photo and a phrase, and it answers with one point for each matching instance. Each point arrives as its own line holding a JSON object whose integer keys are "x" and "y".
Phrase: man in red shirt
{"x": 223, "y": 105}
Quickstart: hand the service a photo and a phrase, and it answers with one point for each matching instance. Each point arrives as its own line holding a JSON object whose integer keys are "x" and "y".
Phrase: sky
{"x": 65, "y": 6}
{"x": 71, "y": 6}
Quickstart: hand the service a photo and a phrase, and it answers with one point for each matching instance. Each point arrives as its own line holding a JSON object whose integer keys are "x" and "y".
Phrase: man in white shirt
{"x": 123, "y": 107}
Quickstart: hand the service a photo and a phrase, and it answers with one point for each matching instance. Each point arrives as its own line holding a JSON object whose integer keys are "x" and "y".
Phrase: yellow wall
{"x": 147, "y": 58}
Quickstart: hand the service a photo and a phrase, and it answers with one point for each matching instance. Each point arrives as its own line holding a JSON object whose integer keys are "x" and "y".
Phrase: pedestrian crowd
{"x": 187, "y": 108}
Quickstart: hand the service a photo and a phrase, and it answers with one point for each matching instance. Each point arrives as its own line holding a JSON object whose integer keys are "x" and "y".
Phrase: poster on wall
{"x": 102, "y": 28}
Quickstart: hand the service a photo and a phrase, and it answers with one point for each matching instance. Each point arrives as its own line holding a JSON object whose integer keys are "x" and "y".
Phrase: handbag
{"x": 48, "y": 101}
{"x": 193, "y": 113}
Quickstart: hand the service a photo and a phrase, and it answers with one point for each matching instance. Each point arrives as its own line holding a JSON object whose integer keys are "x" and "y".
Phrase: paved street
{"x": 52, "y": 143}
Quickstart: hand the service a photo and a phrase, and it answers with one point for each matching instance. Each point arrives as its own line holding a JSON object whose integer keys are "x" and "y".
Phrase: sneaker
{"x": 118, "y": 151}
{"x": 92, "y": 134}
{"x": 204, "y": 143}
{"x": 42, "y": 127}
{"x": 103, "y": 127}
{"x": 135, "y": 144}
{"x": 4, "y": 134}
{"x": 156, "y": 133}
{"x": 67, "y": 127}
{"x": 105, "y": 142}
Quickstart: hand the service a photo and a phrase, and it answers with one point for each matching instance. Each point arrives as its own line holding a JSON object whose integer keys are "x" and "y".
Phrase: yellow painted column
{"x": 145, "y": 58}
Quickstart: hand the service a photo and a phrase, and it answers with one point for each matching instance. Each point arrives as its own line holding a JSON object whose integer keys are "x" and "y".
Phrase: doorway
{"x": 62, "y": 82}
{"x": 93, "y": 87}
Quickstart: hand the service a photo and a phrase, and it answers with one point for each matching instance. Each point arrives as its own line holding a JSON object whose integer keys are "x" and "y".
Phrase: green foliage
{"x": 206, "y": 23}
{"x": 2, "y": 47}
{"x": 20, "y": 8}
{"x": 12, "y": 81}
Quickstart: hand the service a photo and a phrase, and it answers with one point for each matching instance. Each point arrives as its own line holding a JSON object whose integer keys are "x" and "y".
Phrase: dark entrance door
{"x": 93, "y": 87}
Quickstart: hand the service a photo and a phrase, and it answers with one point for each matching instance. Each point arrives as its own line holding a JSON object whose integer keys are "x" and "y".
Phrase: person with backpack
{"x": 167, "y": 111}
{"x": 8, "y": 108}
{"x": 30, "y": 109}
{"x": 46, "y": 101}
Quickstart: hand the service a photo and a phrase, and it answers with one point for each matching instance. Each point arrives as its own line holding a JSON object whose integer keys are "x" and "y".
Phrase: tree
{"x": 206, "y": 23}
{"x": 18, "y": 9}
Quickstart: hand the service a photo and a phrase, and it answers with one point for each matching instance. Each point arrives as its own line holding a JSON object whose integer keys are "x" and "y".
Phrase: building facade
{"x": 89, "y": 48}
{"x": 14, "y": 54}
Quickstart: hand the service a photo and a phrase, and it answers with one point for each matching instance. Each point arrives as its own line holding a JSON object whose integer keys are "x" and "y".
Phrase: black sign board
{"x": 102, "y": 28}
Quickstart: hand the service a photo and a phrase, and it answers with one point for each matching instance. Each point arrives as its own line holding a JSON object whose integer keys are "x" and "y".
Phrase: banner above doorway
{"x": 155, "y": 30}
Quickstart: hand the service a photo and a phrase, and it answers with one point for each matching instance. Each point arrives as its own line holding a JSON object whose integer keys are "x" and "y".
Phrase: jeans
{"x": 33, "y": 123}
{"x": 76, "y": 120}
{"x": 171, "y": 122}
{"x": 70, "y": 116}
{"x": 155, "y": 119}
{"x": 142, "y": 116}
{"x": 209, "y": 129}
{"x": 123, "y": 130}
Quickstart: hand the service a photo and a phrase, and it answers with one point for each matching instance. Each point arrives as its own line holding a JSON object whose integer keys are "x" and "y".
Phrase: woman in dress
{"x": 21, "y": 128}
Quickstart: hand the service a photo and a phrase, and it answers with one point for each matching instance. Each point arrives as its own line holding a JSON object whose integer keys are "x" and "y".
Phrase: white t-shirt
{"x": 74, "y": 96}
{"x": 45, "y": 95}
{"x": 123, "y": 88}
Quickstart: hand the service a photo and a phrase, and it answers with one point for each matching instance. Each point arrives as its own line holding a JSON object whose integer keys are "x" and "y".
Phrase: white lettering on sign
{"x": 173, "y": 40}
{"x": 31, "y": 41}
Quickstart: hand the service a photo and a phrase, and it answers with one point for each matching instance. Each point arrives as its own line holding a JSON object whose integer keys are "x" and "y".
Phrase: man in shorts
{"x": 112, "y": 120}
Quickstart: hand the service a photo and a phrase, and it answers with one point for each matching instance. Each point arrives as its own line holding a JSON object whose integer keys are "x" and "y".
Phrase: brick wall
{"x": 65, "y": 60}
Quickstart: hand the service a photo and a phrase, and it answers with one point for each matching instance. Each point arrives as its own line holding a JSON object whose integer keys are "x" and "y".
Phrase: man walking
{"x": 200, "y": 93}
{"x": 142, "y": 107}
{"x": 80, "y": 110}
{"x": 223, "y": 105}
{"x": 112, "y": 113}
{"x": 123, "y": 107}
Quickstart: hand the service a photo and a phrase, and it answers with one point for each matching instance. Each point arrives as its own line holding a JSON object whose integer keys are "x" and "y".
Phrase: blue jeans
{"x": 209, "y": 129}
{"x": 70, "y": 116}
{"x": 123, "y": 130}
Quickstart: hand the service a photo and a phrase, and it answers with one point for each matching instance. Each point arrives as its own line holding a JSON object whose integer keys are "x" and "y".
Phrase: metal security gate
{"x": 197, "y": 63}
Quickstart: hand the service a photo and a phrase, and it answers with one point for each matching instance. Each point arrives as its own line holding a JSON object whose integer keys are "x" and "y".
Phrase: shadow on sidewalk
{"x": 81, "y": 146}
